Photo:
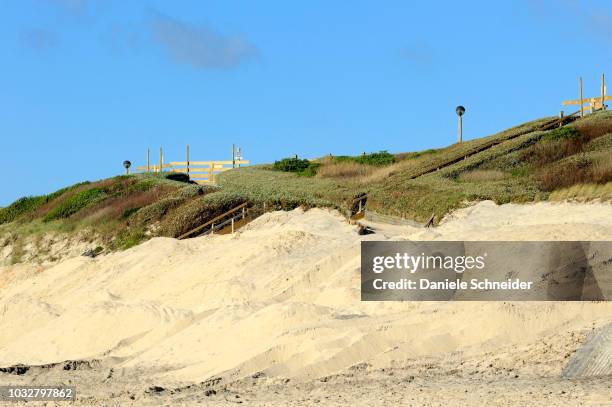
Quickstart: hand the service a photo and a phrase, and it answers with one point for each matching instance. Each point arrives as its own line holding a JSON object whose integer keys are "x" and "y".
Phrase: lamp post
{"x": 460, "y": 111}
{"x": 127, "y": 166}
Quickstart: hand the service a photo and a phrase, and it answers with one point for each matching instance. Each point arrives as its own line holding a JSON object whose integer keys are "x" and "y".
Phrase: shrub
{"x": 301, "y": 167}
{"x": 291, "y": 165}
{"x": 178, "y": 176}
{"x": 311, "y": 170}
{"x": 75, "y": 203}
{"x": 561, "y": 133}
{"x": 378, "y": 159}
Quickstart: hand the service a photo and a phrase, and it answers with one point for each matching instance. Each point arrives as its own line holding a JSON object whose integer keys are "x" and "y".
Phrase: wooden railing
{"x": 220, "y": 221}
{"x": 202, "y": 172}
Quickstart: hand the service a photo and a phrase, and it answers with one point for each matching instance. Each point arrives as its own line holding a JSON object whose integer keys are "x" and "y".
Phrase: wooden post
{"x": 211, "y": 172}
{"x": 233, "y": 156}
{"x": 161, "y": 161}
{"x": 603, "y": 91}
{"x": 232, "y": 225}
{"x": 581, "y": 101}
{"x": 187, "y": 159}
{"x": 148, "y": 162}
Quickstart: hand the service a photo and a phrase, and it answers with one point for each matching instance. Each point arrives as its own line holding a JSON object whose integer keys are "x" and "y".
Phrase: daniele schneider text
{"x": 458, "y": 264}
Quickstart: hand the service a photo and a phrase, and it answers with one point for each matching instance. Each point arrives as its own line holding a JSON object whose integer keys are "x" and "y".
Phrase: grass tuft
{"x": 75, "y": 203}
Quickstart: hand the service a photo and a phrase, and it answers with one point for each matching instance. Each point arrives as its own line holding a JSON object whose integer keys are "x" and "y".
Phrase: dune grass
{"x": 584, "y": 192}
{"x": 521, "y": 165}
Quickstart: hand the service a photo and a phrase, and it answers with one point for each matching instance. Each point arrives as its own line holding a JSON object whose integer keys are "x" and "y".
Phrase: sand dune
{"x": 278, "y": 299}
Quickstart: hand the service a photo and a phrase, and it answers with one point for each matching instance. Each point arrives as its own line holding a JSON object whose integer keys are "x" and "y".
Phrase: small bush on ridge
{"x": 301, "y": 167}
{"x": 291, "y": 165}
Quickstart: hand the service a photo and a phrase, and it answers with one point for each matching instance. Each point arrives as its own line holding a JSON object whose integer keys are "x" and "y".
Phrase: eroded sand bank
{"x": 280, "y": 300}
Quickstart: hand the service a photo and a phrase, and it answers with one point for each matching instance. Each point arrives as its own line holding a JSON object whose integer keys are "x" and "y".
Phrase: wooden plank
{"x": 216, "y": 162}
{"x": 200, "y": 176}
{"x": 203, "y": 170}
{"x": 221, "y": 169}
{"x": 154, "y": 166}
{"x": 205, "y": 163}
{"x": 193, "y": 170}
{"x": 585, "y": 100}
{"x": 195, "y": 166}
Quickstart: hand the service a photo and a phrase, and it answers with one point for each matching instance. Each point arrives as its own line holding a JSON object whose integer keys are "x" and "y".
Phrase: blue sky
{"x": 86, "y": 84}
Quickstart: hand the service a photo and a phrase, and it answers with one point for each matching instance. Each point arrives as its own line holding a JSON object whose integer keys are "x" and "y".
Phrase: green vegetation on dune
{"x": 27, "y": 205}
{"x": 283, "y": 190}
{"x": 75, "y": 203}
{"x": 380, "y": 158}
{"x": 516, "y": 165}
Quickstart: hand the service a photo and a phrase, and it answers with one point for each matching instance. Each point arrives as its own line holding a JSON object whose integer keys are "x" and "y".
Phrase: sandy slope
{"x": 280, "y": 300}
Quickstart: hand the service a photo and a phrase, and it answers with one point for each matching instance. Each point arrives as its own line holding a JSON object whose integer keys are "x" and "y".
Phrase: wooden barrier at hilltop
{"x": 202, "y": 172}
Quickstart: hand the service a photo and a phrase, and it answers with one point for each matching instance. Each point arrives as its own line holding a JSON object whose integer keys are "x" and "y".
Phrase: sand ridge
{"x": 278, "y": 299}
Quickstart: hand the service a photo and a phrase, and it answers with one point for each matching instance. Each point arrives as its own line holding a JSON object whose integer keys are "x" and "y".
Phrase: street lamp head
{"x": 127, "y": 164}
{"x": 460, "y": 110}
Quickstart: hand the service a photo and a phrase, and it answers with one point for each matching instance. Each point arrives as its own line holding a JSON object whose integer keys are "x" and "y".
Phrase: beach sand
{"x": 272, "y": 316}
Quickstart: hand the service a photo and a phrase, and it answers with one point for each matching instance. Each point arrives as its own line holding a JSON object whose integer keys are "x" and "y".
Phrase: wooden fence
{"x": 594, "y": 103}
{"x": 202, "y": 172}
